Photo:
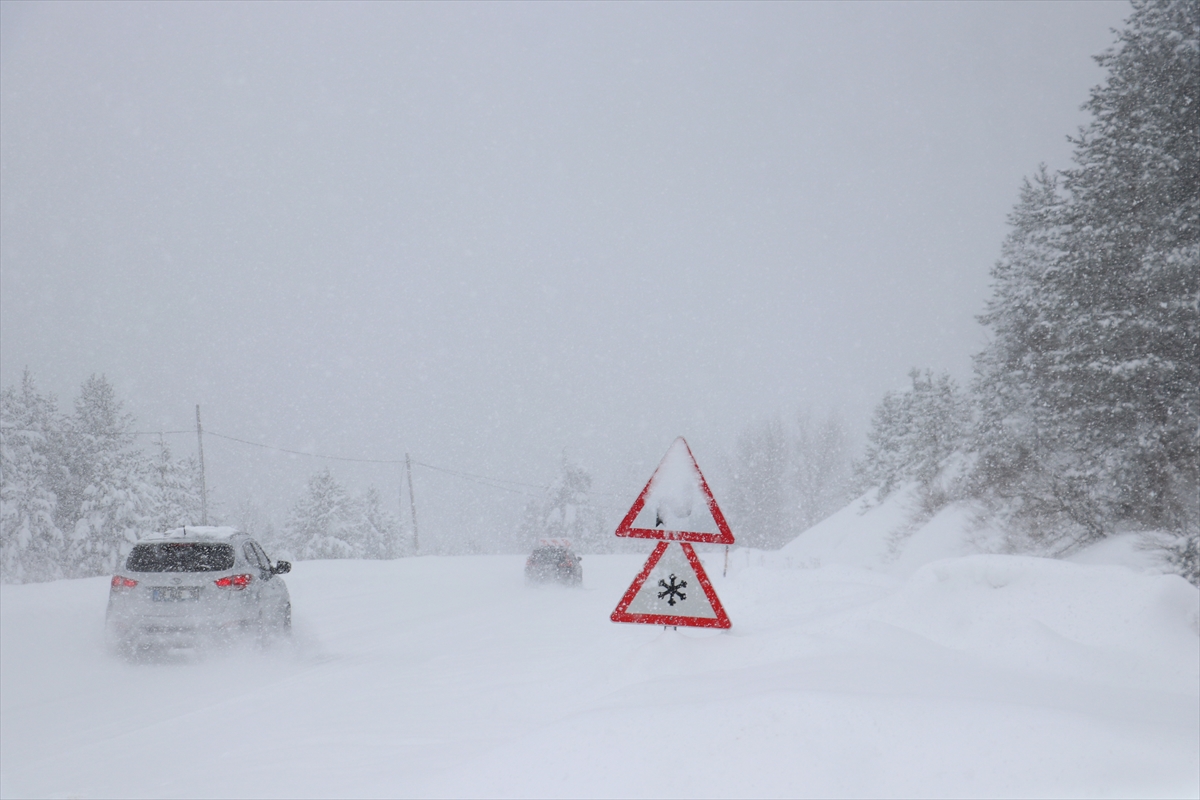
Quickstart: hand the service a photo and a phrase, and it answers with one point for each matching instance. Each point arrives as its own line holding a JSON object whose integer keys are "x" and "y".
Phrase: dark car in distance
{"x": 552, "y": 561}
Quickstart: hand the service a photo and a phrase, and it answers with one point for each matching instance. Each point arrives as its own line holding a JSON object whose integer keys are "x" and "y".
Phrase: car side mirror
{"x": 281, "y": 568}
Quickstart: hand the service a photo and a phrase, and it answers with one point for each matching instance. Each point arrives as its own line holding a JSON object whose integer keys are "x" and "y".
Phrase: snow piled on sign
{"x": 674, "y": 501}
{"x": 853, "y": 669}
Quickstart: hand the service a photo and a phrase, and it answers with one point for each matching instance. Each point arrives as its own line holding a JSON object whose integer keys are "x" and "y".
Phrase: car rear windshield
{"x": 180, "y": 557}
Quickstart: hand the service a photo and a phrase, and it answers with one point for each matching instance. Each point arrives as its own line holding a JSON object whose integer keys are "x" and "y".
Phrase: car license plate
{"x": 176, "y": 593}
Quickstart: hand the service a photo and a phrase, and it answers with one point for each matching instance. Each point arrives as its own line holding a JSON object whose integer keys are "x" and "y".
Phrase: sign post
{"x": 677, "y": 508}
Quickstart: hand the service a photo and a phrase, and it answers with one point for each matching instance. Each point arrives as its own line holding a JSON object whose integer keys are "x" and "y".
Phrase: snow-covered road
{"x": 973, "y": 676}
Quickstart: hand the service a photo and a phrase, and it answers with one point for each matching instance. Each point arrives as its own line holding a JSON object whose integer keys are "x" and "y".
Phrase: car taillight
{"x": 234, "y": 581}
{"x": 121, "y": 584}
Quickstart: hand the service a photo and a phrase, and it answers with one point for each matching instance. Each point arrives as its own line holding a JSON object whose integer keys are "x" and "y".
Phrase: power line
{"x": 302, "y": 453}
{"x": 459, "y": 474}
{"x": 471, "y": 475}
{"x": 483, "y": 480}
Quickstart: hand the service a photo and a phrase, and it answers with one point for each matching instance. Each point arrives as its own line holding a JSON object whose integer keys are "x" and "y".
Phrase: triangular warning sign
{"x": 672, "y": 589}
{"x": 677, "y": 504}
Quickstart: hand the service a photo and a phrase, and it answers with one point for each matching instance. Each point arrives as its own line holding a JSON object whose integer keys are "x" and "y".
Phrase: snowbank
{"x": 896, "y": 536}
{"x": 893, "y": 535}
{"x": 972, "y": 676}
{"x": 1038, "y": 614}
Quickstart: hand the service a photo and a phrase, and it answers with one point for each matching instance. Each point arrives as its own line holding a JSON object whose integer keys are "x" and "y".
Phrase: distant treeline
{"x": 77, "y": 488}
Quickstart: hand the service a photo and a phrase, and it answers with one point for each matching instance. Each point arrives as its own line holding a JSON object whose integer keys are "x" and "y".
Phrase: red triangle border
{"x": 621, "y": 614}
{"x": 725, "y": 536}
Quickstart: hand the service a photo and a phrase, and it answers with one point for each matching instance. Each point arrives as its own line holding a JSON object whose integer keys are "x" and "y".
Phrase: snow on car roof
{"x": 193, "y": 532}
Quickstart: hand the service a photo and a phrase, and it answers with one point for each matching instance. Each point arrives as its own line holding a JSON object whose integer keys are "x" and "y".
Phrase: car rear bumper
{"x": 173, "y": 632}
{"x": 534, "y": 575}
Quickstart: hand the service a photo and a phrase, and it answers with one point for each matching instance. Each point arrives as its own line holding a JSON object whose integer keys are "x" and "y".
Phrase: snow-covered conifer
{"x": 913, "y": 434}
{"x": 382, "y": 537}
{"x": 318, "y": 525}
{"x": 329, "y": 522}
{"x": 1024, "y": 470}
{"x": 176, "y": 497}
{"x": 1127, "y": 381}
{"x": 1090, "y": 390}
{"x": 108, "y": 495}
{"x": 566, "y": 511}
{"x": 31, "y": 543}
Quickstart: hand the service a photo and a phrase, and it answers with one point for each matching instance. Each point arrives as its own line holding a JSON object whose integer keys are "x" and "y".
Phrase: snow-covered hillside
{"x": 967, "y": 675}
{"x": 892, "y": 536}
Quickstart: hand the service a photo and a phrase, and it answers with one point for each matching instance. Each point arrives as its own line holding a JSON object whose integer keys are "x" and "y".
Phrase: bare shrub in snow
{"x": 1180, "y": 552}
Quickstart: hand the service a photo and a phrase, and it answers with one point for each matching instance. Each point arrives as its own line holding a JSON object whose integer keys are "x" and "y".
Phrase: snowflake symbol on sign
{"x": 671, "y": 590}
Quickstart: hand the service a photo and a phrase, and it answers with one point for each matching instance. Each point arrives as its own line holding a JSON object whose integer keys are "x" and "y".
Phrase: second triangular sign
{"x": 672, "y": 589}
{"x": 677, "y": 504}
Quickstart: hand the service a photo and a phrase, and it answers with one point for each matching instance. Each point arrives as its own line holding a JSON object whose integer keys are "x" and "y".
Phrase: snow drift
{"x": 860, "y": 663}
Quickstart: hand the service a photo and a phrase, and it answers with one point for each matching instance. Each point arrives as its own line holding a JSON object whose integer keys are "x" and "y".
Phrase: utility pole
{"x": 412, "y": 501}
{"x": 394, "y": 546}
{"x": 203, "y": 485}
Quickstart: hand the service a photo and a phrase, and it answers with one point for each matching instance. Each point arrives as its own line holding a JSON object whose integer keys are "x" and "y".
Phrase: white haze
{"x": 487, "y": 234}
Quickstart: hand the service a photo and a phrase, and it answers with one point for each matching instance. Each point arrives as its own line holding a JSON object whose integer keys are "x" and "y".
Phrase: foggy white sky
{"x": 486, "y": 233}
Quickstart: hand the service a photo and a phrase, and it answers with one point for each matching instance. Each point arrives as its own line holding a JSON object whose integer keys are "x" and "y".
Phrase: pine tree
{"x": 1023, "y": 470}
{"x": 1090, "y": 390}
{"x": 330, "y": 522}
{"x": 176, "y": 497}
{"x": 566, "y": 511}
{"x": 108, "y": 496}
{"x": 319, "y": 525}
{"x": 31, "y": 544}
{"x": 382, "y": 530}
{"x": 913, "y": 435}
{"x": 1127, "y": 380}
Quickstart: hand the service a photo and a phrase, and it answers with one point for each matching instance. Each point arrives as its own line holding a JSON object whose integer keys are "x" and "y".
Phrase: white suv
{"x": 193, "y": 585}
